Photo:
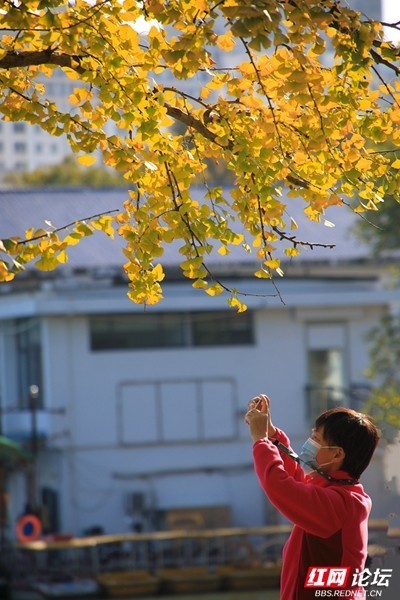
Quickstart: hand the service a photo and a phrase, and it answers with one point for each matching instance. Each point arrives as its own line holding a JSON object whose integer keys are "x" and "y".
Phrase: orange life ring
{"x": 29, "y": 528}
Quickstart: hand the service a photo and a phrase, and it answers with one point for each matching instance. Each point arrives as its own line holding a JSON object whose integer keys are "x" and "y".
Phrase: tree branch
{"x": 379, "y": 60}
{"x": 67, "y": 226}
{"x": 295, "y": 242}
{"x": 190, "y": 121}
{"x": 28, "y": 58}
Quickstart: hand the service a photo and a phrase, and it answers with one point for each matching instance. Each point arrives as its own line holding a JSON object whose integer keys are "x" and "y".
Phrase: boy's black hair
{"x": 354, "y": 432}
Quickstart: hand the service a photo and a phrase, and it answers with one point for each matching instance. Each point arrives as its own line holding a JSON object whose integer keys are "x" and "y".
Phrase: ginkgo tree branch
{"x": 33, "y": 58}
{"x": 191, "y": 121}
{"x": 379, "y": 60}
{"x": 54, "y": 230}
{"x": 295, "y": 242}
{"x": 386, "y": 86}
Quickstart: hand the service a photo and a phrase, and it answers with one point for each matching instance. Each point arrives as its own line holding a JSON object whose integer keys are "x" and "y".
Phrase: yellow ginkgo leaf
{"x": 236, "y": 303}
{"x": 86, "y": 160}
{"x": 226, "y": 42}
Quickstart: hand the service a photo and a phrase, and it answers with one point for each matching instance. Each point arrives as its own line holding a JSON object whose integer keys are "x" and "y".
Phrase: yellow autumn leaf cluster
{"x": 284, "y": 94}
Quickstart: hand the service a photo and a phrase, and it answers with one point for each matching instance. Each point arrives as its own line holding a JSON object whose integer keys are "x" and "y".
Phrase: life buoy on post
{"x": 29, "y": 528}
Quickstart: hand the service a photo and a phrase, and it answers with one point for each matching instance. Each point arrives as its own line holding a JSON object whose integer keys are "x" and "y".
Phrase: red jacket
{"x": 330, "y": 520}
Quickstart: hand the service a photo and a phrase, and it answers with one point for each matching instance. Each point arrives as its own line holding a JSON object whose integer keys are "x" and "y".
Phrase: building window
{"x": 326, "y": 387}
{"x": 22, "y": 364}
{"x": 325, "y": 376}
{"x": 121, "y": 332}
{"x": 19, "y": 127}
{"x": 148, "y": 411}
{"x": 219, "y": 329}
{"x": 20, "y": 147}
{"x": 20, "y": 166}
{"x": 29, "y": 360}
{"x": 169, "y": 330}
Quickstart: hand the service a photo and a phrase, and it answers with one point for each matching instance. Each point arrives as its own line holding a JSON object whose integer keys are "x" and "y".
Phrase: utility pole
{"x": 31, "y": 480}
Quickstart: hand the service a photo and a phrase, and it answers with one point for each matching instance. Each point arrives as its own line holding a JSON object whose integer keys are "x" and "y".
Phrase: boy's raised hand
{"x": 258, "y": 416}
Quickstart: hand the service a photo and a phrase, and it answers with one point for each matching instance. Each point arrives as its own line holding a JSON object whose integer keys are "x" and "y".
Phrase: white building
{"x": 141, "y": 411}
{"x": 25, "y": 147}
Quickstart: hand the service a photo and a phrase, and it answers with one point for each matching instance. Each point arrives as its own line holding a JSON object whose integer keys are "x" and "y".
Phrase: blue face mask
{"x": 311, "y": 448}
{"x": 308, "y": 455}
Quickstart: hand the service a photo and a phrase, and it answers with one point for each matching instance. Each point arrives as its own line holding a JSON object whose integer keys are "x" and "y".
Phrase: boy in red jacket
{"x": 328, "y": 506}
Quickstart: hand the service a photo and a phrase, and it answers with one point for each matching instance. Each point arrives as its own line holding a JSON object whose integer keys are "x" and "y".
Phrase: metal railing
{"x": 320, "y": 397}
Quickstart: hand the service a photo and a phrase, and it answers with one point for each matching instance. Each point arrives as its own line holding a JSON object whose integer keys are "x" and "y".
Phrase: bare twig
{"x": 58, "y": 229}
{"x": 295, "y": 242}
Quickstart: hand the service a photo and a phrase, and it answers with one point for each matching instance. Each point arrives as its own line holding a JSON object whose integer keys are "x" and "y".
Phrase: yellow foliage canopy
{"x": 257, "y": 87}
